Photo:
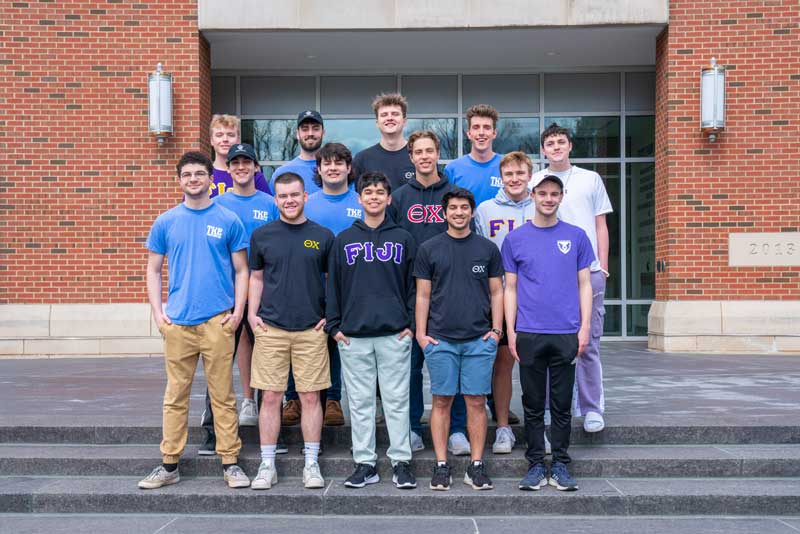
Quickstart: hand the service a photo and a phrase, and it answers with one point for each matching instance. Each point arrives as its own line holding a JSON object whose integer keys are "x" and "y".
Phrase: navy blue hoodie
{"x": 371, "y": 289}
{"x": 418, "y": 209}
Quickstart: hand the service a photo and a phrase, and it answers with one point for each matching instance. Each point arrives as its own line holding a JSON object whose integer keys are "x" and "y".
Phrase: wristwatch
{"x": 498, "y": 332}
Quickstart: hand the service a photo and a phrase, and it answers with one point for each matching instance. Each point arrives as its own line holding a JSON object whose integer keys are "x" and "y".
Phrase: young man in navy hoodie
{"x": 369, "y": 312}
{"x": 417, "y": 207}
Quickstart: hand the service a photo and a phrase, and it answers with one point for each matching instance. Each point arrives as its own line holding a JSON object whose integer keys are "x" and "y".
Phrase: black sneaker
{"x": 441, "y": 479}
{"x": 209, "y": 446}
{"x": 281, "y": 448}
{"x": 477, "y": 477}
{"x": 363, "y": 475}
{"x": 402, "y": 477}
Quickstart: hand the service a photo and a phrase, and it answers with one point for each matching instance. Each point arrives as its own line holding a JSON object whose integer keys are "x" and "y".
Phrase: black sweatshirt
{"x": 371, "y": 289}
{"x": 418, "y": 209}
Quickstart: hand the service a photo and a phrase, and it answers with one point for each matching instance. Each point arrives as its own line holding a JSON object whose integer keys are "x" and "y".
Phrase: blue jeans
{"x": 458, "y": 412}
{"x": 332, "y": 393}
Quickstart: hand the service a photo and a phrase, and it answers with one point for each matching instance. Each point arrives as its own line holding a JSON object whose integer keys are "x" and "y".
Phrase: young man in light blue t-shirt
{"x": 479, "y": 171}
{"x": 208, "y": 278}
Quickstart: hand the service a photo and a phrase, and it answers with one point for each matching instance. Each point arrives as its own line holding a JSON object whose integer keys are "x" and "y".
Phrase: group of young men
{"x": 361, "y": 269}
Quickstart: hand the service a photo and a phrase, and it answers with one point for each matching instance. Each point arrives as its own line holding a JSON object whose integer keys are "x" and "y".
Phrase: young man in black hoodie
{"x": 417, "y": 207}
{"x": 369, "y": 312}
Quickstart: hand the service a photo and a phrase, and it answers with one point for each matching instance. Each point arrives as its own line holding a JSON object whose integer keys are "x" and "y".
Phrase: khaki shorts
{"x": 276, "y": 349}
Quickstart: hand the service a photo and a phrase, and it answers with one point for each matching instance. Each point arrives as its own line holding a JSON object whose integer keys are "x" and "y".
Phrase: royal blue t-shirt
{"x": 334, "y": 212}
{"x": 198, "y": 245}
{"x": 482, "y": 179}
{"x": 253, "y": 211}
{"x": 305, "y": 168}
{"x": 547, "y": 261}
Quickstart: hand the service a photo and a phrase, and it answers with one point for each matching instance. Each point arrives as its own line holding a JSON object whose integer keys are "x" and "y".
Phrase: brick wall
{"x": 747, "y": 181}
{"x": 80, "y": 179}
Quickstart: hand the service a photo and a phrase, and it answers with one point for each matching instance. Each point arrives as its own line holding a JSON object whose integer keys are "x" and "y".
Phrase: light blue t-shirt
{"x": 253, "y": 211}
{"x": 334, "y": 212}
{"x": 305, "y": 168}
{"x": 198, "y": 245}
{"x": 482, "y": 179}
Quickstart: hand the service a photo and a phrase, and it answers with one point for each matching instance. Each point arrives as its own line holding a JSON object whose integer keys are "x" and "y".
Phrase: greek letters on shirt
{"x": 389, "y": 251}
{"x": 261, "y": 215}
{"x": 496, "y": 181}
{"x": 496, "y": 225}
{"x": 430, "y": 213}
{"x": 214, "y": 231}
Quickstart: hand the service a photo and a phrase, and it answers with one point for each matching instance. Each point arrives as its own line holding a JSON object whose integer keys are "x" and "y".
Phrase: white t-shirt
{"x": 585, "y": 198}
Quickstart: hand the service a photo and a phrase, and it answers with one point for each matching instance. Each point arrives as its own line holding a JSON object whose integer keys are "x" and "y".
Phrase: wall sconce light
{"x": 160, "y": 104}
{"x": 712, "y": 100}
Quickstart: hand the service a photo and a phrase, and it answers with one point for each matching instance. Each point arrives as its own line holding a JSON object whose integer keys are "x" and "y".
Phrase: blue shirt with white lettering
{"x": 482, "y": 179}
{"x": 305, "y": 168}
{"x": 334, "y": 212}
{"x": 198, "y": 245}
{"x": 253, "y": 210}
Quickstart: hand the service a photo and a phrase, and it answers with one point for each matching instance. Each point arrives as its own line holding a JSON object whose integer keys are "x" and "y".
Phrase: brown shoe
{"x": 291, "y": 413}
{"x": 333, "y": 414}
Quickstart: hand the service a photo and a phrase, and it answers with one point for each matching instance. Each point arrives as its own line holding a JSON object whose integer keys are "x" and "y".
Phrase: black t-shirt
{"x": 294, "y": 258}
{"x": 459, "y": 271}
{"x": 396, "y": 164}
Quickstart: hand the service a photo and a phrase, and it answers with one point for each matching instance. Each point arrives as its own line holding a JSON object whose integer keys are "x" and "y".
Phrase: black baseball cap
{"x": 242, "y": 149}
{"x": 549, "y": 178}
{"x": 309, "y": 115}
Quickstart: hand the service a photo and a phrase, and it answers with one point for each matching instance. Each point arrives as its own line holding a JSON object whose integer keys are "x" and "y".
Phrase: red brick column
{"x": 747, "y": 181}
{"x": 81, "y": 180}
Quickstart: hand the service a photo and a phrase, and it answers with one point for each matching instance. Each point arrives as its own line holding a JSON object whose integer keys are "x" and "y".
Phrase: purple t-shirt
{"x": 546, "y": 262}
{"x": 223, "y": 183}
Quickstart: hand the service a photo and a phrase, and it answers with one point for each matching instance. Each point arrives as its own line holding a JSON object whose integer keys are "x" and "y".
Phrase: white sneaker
{"x": 248, "y": 415}
{"x": 266, "y": 477}
{"x": 458, "y": 444}
{"x": 235, "y": 477}
{"x": 416, "y": 442}
{"x": 593, "y": 422}
{"x": 547, "y": 448}
{"x": 159, "y": 477}
{"x": 504, "y": 440}
{"x": 312, "y": 478}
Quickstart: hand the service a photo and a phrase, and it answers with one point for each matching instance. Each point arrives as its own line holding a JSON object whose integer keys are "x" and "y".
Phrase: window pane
{"x": 277, "y": 95}
{"x": 637, "y": 319}
{"x": 355, "y": 134}
{"x": 431, "y": 94}
{"x": 512, "y": 134}
{"x": 513, "y": 93}
{"x": 610, "y": 173}
{"x": 274, "y": 140}
{"x": 640, "y": 229}
{"x": 640, "y": 136}
{"x": 353, "y": 94}
{"x": 223, "y": 94}
{"x": 613, "y": 323}
{"x": 582, "y": 92}
{"x": 594, "y": 137}
{"x": 640, "y": 91}
{"x": 445, "y": 129}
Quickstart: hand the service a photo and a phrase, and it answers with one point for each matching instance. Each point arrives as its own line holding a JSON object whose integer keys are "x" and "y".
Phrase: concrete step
{"x": 597, "y": 496}
{"x": 174, "y": 523}
{"x": 624, "y": 434}
{"x": 588, "y": 461}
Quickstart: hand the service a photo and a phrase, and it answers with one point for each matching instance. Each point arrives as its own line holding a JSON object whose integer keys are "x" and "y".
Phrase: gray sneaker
{"x": 458, "y": 444}
{"x": 248, "y": 414}
{"x": 235, "y": 477}
{"x": 159, "y": 477}
{"x": 504, "y": 440}
{"x": 267, "y": 476}
{"x": 312, "y": 477}
{"x": 416, "y": 442}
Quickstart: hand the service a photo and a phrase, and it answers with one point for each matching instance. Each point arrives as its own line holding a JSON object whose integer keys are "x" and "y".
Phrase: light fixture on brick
{"x": 160, "y": 104}
{"x": 712, "y": 100}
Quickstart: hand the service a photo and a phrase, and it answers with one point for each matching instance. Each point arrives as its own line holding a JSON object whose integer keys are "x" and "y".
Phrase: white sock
{"x": 311, "y": 452}
{"x": 268, "y": 454}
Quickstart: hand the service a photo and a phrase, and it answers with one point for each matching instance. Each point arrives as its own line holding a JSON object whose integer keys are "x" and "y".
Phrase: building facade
{"x": 704, "y": 238}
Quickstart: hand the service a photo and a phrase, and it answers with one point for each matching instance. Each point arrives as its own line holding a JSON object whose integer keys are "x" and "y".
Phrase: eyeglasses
{"x": 198, "y": 174}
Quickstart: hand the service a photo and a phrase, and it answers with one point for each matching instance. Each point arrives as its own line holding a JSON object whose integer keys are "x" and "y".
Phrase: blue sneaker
{"x": 535, "y": 479}
{"x": 560, "y": 478}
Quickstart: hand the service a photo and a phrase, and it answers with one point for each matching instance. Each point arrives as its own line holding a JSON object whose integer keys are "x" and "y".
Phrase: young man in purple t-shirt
{"x": 548, "y": 306}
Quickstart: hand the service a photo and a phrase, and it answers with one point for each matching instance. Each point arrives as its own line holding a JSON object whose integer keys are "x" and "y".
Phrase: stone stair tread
{"x": 597, "y": 496}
